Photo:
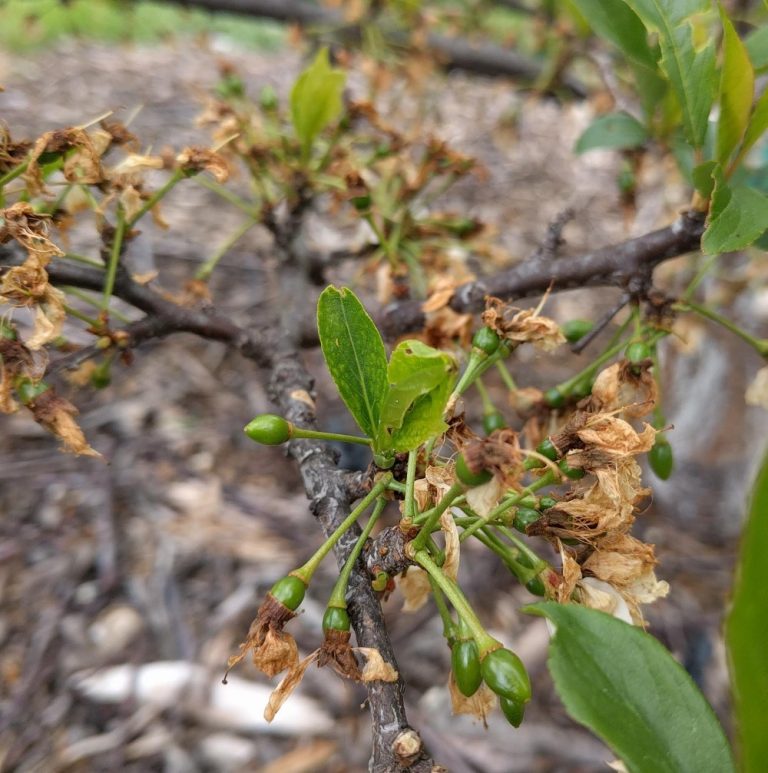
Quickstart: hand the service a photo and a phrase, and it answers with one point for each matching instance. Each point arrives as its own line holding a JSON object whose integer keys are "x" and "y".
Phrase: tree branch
{"x": 453, "y": 53}
{"x": 627, "y": 265}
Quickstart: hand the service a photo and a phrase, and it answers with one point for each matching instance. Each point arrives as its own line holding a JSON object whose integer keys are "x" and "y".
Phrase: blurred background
{"x": 126, "y": 583}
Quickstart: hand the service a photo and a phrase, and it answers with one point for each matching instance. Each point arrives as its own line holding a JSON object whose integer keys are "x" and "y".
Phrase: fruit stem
{"x": 434, "y": 515}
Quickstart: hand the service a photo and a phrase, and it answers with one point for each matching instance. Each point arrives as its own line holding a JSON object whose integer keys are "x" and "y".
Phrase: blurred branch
{"x": 452, "y": 53}
{"x": 628, "y": 265}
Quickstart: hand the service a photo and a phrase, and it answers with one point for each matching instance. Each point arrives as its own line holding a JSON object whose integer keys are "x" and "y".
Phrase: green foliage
{"x": 737, "y": 87}
{"x": 420, "y": 381}
{"x": 757, "y": 47}
{"x": 747, "y": 631}
{"x": 354, "y": 354}
{"x": 688, "y": 63}
{"x": 624, "y": 686}
{"x": 615, "y": 130}
{"x": 316, "y": 99}
{"x": 737, "y": 217}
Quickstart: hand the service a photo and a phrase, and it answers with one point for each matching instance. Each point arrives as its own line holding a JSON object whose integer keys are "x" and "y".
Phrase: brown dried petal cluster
{"x": 522, "y": 325}
{"x": 82, "y": 164}
{"x": 57, "y": 414}
{"x": 273, "y": 649}
{"x": 30, "y": 230}
{"x": 630, "y": 388}
{"x": 11, "y": 153}
{"x": 194, "y": 160}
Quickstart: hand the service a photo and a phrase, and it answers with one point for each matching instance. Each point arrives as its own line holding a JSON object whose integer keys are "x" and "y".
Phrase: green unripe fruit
{"x": 486, "y": 340}
{"x": 582, "y": 388}
{"x": 267, "y": 98}
{"x": 101, "y": 377}
{"x": 528, "y": 501}
{"x": 493, "y": 421}
{"x": 524, "y": 517}
{"x": 637, "y": 352}
{"x": 513, "y": 711}
{"x": 546, "y": 502}
{"x": 554, "y": 398}
{"x": 361, "y": 203}
{"x": 336, "y": 618}
{"x": 289, "y": 591}
{"x": 469, "y": 478}
{"x": 574, "y": 473}
{"x": 660, "y": 458}
{"x": 547, "y": 448}
{"x": 28, "y": 391}
{"x": 575, "y": 329}
{"x": 465, "y": 664}
{"x": 269, "y": 430}
{"x": 536, "y": 586}
{"x": 505, "y": 674}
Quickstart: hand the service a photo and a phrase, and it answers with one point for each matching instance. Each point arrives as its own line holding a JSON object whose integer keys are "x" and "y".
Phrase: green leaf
{"x": 420, "y": 381}
{"x": 354, "y": 354}
{"x": 738, "y": 215}
{"x": 628, "y": 689}
{"x": 616, "y": 22}
{"x": 687, "y": 57}
{"x": 757, "y": 46}
{"x": 737, "y": 89}
{"x": 316, "y": 99}
{"x": 746, "y": 631}
{"x": 758, "y": 123}
{"x": 702, "y": 177}
{"x": 615, "y": 130}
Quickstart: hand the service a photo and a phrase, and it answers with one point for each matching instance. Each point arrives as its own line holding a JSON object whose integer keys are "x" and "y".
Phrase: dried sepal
{"x": 82, "y": 164}
{"x": 273, "y": 649}
{"x": 631, "y": 388}
{"x": 337, "y": 653}
{"x": 757, "y": 391}
{"x": 287, "y": 685}
{"x": 479, "y": 705}
{"x": 522, "y": 325}
{"x": 415, "y": 586}
{"x": 484, "y": 498}
{"x": 30, "y": 230}
{"x": 452, "y": 546}
{"x": 194, "y": 160}
{"x": 57, "y": 415}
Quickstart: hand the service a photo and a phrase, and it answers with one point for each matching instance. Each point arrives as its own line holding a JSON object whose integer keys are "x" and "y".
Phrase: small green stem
{"x": 759, "y": 344}
{"x": 449, "y": 627}
{"x": 82, "y": 259}
{"x": 410, "y": 482}
{"x": 205, "y": 271}
{"x": 506, "y": 376}
{"x": 305, "y": 572}
{"x": 227, "y": 195}
{"x": 339, "y": 594}
{"x": 434, "y": 515}
{"x": 300, "y": 432}
{"x": 485, "y": 398}
{"x": 566, "y": 386}
{"x": 395, "y": 485}
{"x": 79, "y": 315}
{"x": 17, "y": 171}
{"x": 485, "y": 642}
{"x": 91, "y": 301}
{"x": 114, "y": 258}
{"x": 176, "y": 177}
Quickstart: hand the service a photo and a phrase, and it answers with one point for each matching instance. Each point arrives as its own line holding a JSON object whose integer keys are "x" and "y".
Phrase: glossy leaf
{"x": 746, "y": 631}
{"x": 758, "y": 123}
{"x": 628, "y": 689}
{"x": 737, "y": 89}
{"x": 616, "y": 22}
{"x": 738, "y": 216}
{"x": 420, "y": 380}
{"x": 615, "y": 130}
{"x": 316, "y": 99}
{"x": 354, "y": 354}
{"x": 688, "y": 62}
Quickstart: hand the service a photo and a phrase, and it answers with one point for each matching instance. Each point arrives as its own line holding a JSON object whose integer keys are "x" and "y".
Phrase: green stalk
{"x": 114, "y": 258}
{"x": 82, "y": 259}
{"x": 226, "y": 194}
{"x": 300, "y": 432}
{"x": 410, "y": 482}
{"x": 485, "y": 642}
{"x": 485, "y": 398}
{"x": 449, "y": 627}
{"x": 305, "y": 572}
{"x": 506, "y": 376}
{"x": 759, "y": 344}
{"x": 79, "y": 315}
{"x": 339, "y": 594}
{"x": 205, "y": 271}
{"x": 177, "y": 176}
{"x": 91, "y": 301}
{"x": 17, "y": 171}
{"x": 566, "y": 386}
{"x": 434, "y": 516}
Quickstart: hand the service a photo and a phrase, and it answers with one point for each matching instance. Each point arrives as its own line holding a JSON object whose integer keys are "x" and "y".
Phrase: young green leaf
{"x": 420, "y": 381}
{"x": 615, "y": 130}
{"x": 316, "y": 99}
{"x": 757, "y": 46}
{"x": 758, "y": 123}
{"x": 690, "y": 66}
{"x": 624, "y": 686}
{"x": 614, "y": 21}
{"x": 737, "y": 89}
{"x": 354, "y": 354}
{"x": 746, "y": 631}
{"x": 738, "y": 215}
